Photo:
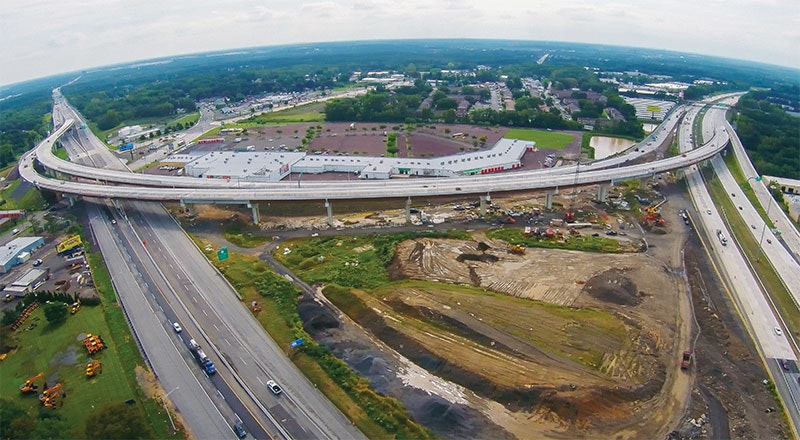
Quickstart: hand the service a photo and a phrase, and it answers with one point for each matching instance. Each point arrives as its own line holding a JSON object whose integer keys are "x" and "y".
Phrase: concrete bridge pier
{"x": 408, "y": 210}
{"x": 485, "y": 200}
{"x": 329, "y": 208}
{"x": 187, "y": 207}
{"x": 602, "y": 192}
{"x": 548, "y": 198}
{"x": 254, "y": 207}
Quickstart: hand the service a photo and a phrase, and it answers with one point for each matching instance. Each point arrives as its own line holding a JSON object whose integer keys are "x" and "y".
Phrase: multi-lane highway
{"x": 194, "y": 293}
{"x": 161, "y": 277}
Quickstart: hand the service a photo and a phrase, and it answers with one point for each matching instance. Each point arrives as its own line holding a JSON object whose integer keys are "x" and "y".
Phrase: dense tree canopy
{"x": 769, "y": 134}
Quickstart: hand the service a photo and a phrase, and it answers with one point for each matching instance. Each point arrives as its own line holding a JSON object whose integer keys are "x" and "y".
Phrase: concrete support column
{"x": 329, "y": 208}
{"x": 602, "y": 192}
{"x": 70, "y": 199}
{"x": 485, "y": 200}
{"x": 548, "y": 198}
{"x": 254, "y": 207}
{"x": 408, "y": 210}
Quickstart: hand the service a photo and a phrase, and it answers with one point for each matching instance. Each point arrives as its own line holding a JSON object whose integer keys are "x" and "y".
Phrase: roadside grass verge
{"x": 375, "y": 415}
{"x": 243, "y": 236}
{"x": 61, "y": 153}
{"x": 544, "y": 139}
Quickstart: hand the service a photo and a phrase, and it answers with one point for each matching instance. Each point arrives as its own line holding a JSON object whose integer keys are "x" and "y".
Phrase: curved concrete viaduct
{"x": 149, "y": 187}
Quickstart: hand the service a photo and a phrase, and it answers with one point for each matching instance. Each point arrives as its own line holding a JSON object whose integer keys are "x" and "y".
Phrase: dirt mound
{"x": 614, "y": 287}
{"x": 316, "y": 318}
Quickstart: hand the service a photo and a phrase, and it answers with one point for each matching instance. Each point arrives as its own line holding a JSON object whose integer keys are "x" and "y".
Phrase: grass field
{"x": 312, "y": 112}
{"x": 58, "y": 352}
{"x": 544, "y": 139}
{"x": 31, "y": 201}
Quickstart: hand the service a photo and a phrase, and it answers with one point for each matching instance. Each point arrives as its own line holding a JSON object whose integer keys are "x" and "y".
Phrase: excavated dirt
{"x": 482, "y": 363}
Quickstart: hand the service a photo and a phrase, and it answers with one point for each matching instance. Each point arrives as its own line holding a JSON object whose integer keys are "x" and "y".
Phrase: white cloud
{"x": 43, "y": 37}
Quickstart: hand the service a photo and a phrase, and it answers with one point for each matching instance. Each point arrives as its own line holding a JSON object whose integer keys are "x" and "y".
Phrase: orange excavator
{"x": 30, "y": 385}
{"x": 52, "y": 396}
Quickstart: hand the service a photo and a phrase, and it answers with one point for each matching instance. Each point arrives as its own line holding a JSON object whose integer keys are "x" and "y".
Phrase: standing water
{"x": 605, "y": 146}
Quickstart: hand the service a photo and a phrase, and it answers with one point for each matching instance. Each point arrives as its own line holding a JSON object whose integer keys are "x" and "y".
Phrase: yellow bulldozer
{"x": 93, "y": 368}
{"x": 30, "y": 385}
{"x": 52, "y": 397}
{"x": 516, "y": 249}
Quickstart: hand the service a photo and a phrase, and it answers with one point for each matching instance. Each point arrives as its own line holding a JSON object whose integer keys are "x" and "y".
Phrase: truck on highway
{"x": 722, "y": 238}
{"x": 202, "y": 359}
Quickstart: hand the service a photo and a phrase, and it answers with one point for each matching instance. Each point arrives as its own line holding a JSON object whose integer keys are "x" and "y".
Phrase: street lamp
{"x": 769, "y": 205}
{"x": 167, "y": 410}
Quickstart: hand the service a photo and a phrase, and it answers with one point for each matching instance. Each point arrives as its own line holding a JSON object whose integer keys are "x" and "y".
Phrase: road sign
{"x": 222, "y": 254}
{"x": 296, "y": 343}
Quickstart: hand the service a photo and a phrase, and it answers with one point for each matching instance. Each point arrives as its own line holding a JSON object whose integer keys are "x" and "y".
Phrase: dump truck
{"x": 202, "y": 359}
{"x": 93, "y": 367}
{"x": 686, "y": 359}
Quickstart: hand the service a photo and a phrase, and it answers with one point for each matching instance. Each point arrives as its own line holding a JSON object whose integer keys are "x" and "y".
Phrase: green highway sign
{"x": 222, "y": 254}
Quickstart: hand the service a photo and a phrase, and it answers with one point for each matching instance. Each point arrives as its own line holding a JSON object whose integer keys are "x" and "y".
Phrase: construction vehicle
{"x": 516, "y": 249}
{"x": 569, "y": 216}
{"x": 75, "y": 307}
{"x": 202, "y": 359}
{"x": 53, "y": 396}
{"x": 686, "y": 359}
{"x": 254, "y": 307}
{"x": 93, "y": 343}
{"x": 93, "y": 368}
{"x": 30, "y": 385}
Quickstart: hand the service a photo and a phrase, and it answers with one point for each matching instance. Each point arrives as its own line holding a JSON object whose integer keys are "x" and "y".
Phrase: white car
{"x": 274, "y": 387}
{"x": 778, "y": 331}
{"x": 177, "y": 327}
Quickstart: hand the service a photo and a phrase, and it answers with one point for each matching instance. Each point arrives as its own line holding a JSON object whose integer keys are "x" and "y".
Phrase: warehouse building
{"x": 18, "y": 251}
{"x": 28, "y": 282}
{"x": 506, "y": 154}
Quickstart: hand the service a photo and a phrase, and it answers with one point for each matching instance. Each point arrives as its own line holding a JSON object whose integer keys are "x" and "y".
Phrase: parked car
{"x": 38, "y": 262}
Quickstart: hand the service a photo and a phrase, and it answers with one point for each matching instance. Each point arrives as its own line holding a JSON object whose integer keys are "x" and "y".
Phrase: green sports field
{"x": 544, "y": 139}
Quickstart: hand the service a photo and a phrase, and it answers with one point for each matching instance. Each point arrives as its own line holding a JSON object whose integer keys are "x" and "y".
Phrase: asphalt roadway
{"x": 176, "y": 282}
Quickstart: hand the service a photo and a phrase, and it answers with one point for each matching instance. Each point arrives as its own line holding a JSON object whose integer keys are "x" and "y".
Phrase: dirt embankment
{"x": 508, "y": 358}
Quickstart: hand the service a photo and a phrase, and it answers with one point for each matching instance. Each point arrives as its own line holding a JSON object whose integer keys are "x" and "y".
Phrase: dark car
{"x": 239, "y": 430}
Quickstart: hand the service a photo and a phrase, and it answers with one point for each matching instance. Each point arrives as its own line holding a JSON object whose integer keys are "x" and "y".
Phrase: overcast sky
{"x": 45, "y": 37}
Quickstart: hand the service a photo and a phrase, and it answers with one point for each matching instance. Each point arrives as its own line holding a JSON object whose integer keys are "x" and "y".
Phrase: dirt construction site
{"x": 481, "y": 342}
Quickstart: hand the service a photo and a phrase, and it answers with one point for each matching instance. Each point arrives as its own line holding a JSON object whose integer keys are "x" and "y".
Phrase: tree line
{"x": 770, "y": 135}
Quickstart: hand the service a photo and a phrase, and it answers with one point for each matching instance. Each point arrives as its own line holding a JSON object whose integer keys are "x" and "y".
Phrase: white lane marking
{"x": 240, "y": 358}
{"x": 194, "y": 299}
{"x": 205, "y": 313}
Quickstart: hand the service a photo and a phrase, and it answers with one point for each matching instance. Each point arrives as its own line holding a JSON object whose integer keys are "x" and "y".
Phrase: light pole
{"x": 769, "y": 205}
{"x": 167, "y": 410}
